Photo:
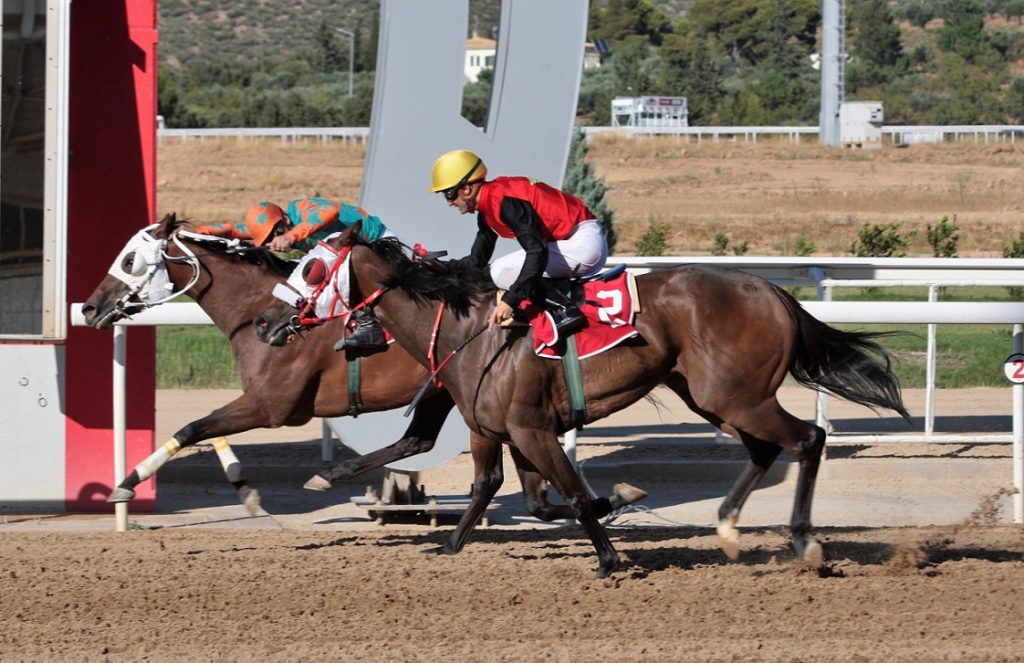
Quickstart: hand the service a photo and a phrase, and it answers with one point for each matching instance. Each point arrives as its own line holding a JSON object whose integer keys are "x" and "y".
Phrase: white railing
{"x": 898, "y": 134}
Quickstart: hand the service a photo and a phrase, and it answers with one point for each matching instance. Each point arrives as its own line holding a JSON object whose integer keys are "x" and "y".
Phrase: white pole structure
{"x": 831, "y": 63}
{"x": 351, "y": 55}
{"x": 1018, "y": 432}
{"x": 120, "y": 422}
{"x": 929, "y": 383}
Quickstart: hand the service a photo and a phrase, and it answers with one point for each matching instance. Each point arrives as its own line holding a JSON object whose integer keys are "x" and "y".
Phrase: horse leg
{"x": 764, "y": 431}
{"x": 239, "y": 415}
{"x": 488, "y": 476}
{"x": 762, "y": 455}
{"x": 535, "y": 491}
{"x": 419, "y": 437}
{"x": 541, "y": 449}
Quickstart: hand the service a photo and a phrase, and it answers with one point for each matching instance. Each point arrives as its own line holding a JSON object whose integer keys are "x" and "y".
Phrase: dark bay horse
{"x": 283, "y": 386}
{"x": 721, "y": 339}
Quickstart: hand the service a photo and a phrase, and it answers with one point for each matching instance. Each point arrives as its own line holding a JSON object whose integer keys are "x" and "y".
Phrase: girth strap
{"x": 574, "y": 381}
{"x": 355, "y": 401}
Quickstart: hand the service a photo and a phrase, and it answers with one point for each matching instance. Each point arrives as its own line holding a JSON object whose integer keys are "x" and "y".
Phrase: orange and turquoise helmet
{"x": 260, "y": 221}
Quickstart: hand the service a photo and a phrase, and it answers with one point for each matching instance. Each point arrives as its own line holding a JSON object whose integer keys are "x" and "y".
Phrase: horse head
{"x": 137, "y": 279}
{"x": 308, "y": 297}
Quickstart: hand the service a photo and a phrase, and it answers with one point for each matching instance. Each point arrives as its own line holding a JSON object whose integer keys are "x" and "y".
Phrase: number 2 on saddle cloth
{"x": 609, "y": 305}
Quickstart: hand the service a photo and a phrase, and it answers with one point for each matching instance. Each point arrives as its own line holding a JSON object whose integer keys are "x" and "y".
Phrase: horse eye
{"x": 126, "y": 262}
{"x": 314, "y": 272}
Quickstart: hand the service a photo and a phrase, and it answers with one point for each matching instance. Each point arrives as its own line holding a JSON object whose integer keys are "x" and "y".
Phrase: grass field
{"x": 765, "y": 194}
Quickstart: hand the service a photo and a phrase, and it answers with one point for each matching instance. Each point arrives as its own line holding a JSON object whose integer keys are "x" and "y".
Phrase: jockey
{"x": 300, "y": 226}
{"x": 559, "y": 235}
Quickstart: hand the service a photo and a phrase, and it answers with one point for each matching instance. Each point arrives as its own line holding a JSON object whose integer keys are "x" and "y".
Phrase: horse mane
{"x": 460, "y": 286}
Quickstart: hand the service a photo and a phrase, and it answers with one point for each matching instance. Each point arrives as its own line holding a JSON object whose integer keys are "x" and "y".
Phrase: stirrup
{"x": 568, "y": 319}
{"x": 368, "y": 335}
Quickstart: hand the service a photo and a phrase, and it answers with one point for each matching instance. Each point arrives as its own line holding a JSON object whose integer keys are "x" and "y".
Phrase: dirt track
{"x": 894, "y": 594}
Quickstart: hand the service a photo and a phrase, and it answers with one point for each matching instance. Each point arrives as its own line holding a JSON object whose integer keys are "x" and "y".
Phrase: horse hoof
{"x": 729, "y": 538}
{"x": 251, "y": 499}
{"x": 812, "y": 554}
{"x": 439, "y": 550}
{"x": 318, "y": 483}
{"x": 120, "y": 495}
{"x": 605, "y": 569}
{"x": 626, "y": 494}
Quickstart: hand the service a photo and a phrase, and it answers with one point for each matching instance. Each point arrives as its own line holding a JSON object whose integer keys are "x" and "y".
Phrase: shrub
{"x": 804, "y": 246}
{"x": 881, "y": 241}
{"x": 653, "y": 242}
{"x": 1015, "y": 249}
{"x": 721, "y": 243}
{"x": 943, "y": 238}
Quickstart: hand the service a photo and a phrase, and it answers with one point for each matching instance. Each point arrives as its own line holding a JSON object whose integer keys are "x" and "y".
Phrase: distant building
{"x": 650, "y": 112}
{"x": 480, "y": 55}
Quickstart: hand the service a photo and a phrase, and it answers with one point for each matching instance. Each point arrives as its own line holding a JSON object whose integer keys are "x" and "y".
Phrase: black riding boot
{"x": 367, "y": 335}
{"x": 567, "y": 316}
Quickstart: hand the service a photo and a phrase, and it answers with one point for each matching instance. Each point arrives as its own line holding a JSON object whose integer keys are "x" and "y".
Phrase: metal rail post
{"x": 1018, "y": 433}
{"x": 120, "y": 422}
{"x": 929, "y": 386}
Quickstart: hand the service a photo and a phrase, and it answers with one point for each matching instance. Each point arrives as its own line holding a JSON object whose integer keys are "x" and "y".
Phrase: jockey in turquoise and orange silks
{"x": 299, "y": 226}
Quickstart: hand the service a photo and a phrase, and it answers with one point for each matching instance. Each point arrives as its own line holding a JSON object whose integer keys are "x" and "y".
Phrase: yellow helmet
{"x": 455, "y": 169}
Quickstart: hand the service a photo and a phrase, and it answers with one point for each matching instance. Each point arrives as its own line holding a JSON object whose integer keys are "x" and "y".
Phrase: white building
{"x": 480, "y": 55}
{"x": 650, "y": 112}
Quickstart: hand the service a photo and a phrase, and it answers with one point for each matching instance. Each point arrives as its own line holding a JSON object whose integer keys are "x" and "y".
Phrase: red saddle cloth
{"x": 608, "y": 307}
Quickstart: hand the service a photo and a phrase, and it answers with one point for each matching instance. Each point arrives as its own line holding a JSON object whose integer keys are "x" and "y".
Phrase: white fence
{"x": 898, "y": 134}
{"x": 819, "y": 272}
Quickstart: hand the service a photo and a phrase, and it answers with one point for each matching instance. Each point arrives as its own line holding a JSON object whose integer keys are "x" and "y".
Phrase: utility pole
{"x": 833, "y": 50}
{"x": 351, "y": 54}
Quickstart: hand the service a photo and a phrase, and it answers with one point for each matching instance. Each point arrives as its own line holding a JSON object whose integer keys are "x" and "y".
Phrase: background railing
{"x": 898, "y": 134}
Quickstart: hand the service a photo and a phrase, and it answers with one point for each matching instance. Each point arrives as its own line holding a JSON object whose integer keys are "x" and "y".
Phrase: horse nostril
{"x": 261, "y": 323}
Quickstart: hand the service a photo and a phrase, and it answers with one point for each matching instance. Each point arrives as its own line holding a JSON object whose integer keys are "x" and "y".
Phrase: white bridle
{"x": 142, "y": 266}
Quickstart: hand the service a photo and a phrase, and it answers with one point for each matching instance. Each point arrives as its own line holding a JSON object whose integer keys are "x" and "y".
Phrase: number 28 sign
{"x": 1013, "y": 368}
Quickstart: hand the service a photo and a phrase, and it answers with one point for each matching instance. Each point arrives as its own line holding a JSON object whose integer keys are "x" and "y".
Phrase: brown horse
{"x": 283, "y": 386}
{"x": 722, "y": 340}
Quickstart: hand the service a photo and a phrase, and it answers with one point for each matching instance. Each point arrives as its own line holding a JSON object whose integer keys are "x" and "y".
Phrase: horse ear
{"x": 346, "y": 236}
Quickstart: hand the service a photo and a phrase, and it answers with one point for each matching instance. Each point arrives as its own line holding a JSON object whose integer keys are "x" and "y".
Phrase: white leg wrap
{"x": 228, "y": 460}
{"x": 148, "y": 467}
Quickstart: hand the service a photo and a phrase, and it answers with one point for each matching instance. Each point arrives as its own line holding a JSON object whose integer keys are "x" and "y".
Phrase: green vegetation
{"x": 190, "y": 357}
{"x": 582, "y": 181}
{"x": 742, "y": 62}
{"x": 881, "y": 240}
{"x": 654, "y": 242}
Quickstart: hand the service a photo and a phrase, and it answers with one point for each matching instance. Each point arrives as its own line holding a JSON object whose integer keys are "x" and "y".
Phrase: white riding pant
{"x": 583, "y": 253}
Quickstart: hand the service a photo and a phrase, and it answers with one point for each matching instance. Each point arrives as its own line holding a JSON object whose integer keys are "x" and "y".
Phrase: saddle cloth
{"x": 609, "y": 308}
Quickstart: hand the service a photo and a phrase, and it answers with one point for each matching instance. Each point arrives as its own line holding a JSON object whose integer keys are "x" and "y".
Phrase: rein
{"x": 433, "y": 376}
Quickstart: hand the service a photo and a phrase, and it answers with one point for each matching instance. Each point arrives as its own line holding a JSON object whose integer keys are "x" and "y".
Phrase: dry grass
{"x": 765, "y": 194}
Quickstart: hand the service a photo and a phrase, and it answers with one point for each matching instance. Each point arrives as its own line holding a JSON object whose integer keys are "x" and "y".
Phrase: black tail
{"x": 848, "y": 364}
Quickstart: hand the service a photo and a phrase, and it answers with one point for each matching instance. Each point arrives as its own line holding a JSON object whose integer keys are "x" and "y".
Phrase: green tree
{"x": 621, "y": 19}
{"x": 633, "y": 64}
{"x": 329, "y": 56}
{"x": 877, "y": 44}
{"x": 964, "y": 30}
{"x": 582, "y": 182}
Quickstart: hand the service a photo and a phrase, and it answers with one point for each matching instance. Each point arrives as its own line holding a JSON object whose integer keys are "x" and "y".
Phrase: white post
{"x": 1018, "y": 433}
{"x": 821, "y": 409}
{"x": 569, "y": 445}
{"x": 929, "y": 385}
{"x": 120, "y": 422}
